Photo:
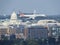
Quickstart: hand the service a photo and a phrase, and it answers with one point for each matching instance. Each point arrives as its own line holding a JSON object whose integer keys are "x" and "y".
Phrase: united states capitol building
{"x": 14, "y": 28}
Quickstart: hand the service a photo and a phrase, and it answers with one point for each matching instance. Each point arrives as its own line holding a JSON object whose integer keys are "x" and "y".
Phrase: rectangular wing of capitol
{"x": 14, "y": 28}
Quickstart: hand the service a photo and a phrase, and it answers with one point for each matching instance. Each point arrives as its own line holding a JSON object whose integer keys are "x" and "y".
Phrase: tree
{"x": 32, "y": 42}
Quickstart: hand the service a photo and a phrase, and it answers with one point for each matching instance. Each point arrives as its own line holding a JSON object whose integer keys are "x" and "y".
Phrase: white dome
{"x": 13, "y": 16}
{"x": 13, "y": 19}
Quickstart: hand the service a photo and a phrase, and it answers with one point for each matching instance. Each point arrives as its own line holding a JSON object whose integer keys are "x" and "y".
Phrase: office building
{"x": 54, "y": 31}
{"x": 36, "y": 32}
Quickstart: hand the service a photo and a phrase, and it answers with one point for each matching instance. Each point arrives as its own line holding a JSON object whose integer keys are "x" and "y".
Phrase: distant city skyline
{"x": 48, "y": 7}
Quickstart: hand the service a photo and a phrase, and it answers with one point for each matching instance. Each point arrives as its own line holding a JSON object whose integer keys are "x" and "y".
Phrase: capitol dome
{"x": 13, "y": 16}
{"x": 13, "y": 19}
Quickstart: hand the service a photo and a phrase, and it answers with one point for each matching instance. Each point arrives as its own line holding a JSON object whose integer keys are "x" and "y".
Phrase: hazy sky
{"x": 41, "y": 6}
